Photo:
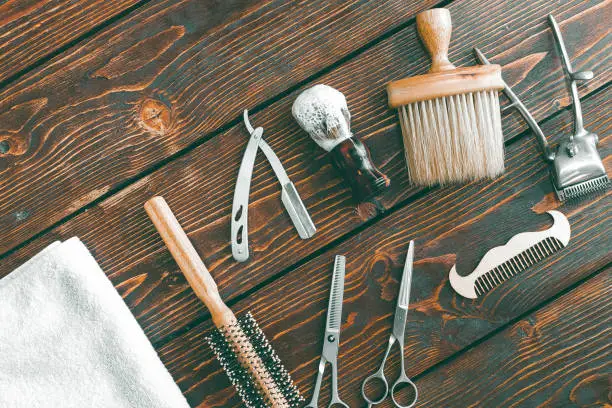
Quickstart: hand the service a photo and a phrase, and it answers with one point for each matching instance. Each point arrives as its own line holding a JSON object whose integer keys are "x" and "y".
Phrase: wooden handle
{"x": 205, "y": 287}
{"x": 188, "y": 260}
{"x": 435, "y": 29}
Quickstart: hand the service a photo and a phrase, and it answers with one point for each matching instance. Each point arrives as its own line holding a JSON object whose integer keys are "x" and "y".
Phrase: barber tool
{"x": 241, "y": 347}
{"x": 397, "y": 336}
{"x": 323, "y": 113}
{"x": 503, "y": 262}
{"x": 289, "y": 196}
{"x": 450, "y": 117}
{"x": 576, "y": 167}
{"x": 331, "y": 340}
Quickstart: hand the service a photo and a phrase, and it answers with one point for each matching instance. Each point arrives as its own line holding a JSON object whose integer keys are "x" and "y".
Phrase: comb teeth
{"x": 223, "y": 342}
{"x": 517, "y": 264}
{"x": 335, "y": 298}
{"x": 579, "y": 190}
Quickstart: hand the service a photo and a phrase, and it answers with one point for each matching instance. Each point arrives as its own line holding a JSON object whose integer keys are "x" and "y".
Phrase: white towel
{"x": 67, "y": 339}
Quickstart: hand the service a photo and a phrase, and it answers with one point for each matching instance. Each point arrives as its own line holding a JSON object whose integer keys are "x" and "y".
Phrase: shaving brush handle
{"x": 435, "y": 29}
{"x": 188, "y": 260}
{"x": 352, "y": 159}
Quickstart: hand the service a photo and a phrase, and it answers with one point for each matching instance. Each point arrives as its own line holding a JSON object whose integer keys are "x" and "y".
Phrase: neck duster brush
{"x": 241, "y": 347}
{"x": 450, "y": 117}
{"x": 323, "y": 113}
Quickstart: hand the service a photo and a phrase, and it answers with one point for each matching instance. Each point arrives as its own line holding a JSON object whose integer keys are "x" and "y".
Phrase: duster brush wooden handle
{"x": 435, "y": 29}
{"x": 205, "y": 287}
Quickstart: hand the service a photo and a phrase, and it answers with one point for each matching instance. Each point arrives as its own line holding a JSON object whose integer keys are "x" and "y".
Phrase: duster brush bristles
{"x": 450, "y": 117}
{"x": 227, "y": 343}
{"x": 460, "y": 135}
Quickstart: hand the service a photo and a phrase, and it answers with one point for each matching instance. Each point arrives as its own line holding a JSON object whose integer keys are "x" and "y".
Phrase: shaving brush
{"x": 323, "y": 113}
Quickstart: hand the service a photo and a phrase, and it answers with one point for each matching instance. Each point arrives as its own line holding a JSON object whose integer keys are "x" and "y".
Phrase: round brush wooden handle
{"x": 435, "y": 29}
{"x": 188, "y": 260}
{"x": 205, "y": 287}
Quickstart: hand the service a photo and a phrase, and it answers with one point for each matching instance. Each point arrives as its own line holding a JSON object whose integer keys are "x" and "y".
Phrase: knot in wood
{"x": 4, "y": 146}
{"x": 12, "y": 145}
{"x": 154, "y": 116}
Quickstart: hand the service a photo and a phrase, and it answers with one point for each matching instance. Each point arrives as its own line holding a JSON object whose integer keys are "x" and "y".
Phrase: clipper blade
{"x": 577, "y": 169}
{"x": 594, "y": 186}
{"x": 580, "y": 175}
{"x": 224, "y": 342}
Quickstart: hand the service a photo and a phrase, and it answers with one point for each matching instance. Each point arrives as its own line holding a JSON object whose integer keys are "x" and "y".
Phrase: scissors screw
{"x": 331, "y": 338}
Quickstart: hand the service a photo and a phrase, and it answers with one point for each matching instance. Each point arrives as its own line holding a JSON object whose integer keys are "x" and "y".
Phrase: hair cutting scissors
{"x": 397, "y": 336}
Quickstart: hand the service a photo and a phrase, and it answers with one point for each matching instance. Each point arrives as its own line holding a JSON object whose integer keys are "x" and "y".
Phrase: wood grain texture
{"x": 558, "y": 356}
{"x": 146, "y": 275}
{"x": 450, "y": 225}
{"x": 156, "y": 82}
{"x": 458, "y": 223}
{"x": 33, "y": 29}
{"x": 444, "y": 83}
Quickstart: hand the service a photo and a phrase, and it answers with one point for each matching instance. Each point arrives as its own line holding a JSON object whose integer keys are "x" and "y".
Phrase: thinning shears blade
{"x": 404, "y": 294}
{"x": 334, "y": 309}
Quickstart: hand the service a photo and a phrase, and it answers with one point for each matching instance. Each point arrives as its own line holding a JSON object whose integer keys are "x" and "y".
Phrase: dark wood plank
{"x": 199, "y": 188}
{"x": 33, "y": 29}
{"x": 153, "y": 84}
{"x": 449, "y": 225}
{"x": 558, "y": 356}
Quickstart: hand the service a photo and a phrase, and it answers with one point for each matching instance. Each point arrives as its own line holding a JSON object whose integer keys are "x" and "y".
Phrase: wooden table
{"x": 104, "y": 104}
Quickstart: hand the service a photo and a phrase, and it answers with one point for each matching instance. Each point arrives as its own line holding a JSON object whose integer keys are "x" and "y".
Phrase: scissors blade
{"x": 404, "y": 293}
{"x": 334, "y": 309}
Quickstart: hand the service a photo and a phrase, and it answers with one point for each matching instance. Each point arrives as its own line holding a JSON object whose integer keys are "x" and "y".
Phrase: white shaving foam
{"x": 320, "y": 109}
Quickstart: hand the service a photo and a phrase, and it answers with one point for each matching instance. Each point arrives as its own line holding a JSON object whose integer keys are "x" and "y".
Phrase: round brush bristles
{"x": 455, "y": 138}
{"x": 237, "y": 346}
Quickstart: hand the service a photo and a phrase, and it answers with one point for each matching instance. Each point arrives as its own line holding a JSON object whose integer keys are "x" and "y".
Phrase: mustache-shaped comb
{"x": 503, "y": 262}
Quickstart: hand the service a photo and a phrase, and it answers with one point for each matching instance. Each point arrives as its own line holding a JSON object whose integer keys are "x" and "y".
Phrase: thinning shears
{"x": 397, "y": 336}
{"x": 332, "y": 336}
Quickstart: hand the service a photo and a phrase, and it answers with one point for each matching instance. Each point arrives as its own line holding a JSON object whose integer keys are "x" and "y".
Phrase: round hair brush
{"x": 241, "y": 347}
{"x": 450, "y": 117}
{"x": 323, "y": 113}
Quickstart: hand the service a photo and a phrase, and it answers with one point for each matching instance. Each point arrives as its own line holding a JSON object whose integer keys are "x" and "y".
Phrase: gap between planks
{"x": 511, "y": 322}
{"x": 200, "y": 141}
{"x": 378, "y": 218}
{"x": 60, "y": 50}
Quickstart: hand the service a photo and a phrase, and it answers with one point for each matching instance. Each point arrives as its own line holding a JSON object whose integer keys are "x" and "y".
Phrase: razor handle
{"x": 352, "y": 159}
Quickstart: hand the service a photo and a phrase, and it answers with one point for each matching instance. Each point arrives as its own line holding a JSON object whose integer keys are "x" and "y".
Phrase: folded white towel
{"x": 67, "y": 339}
